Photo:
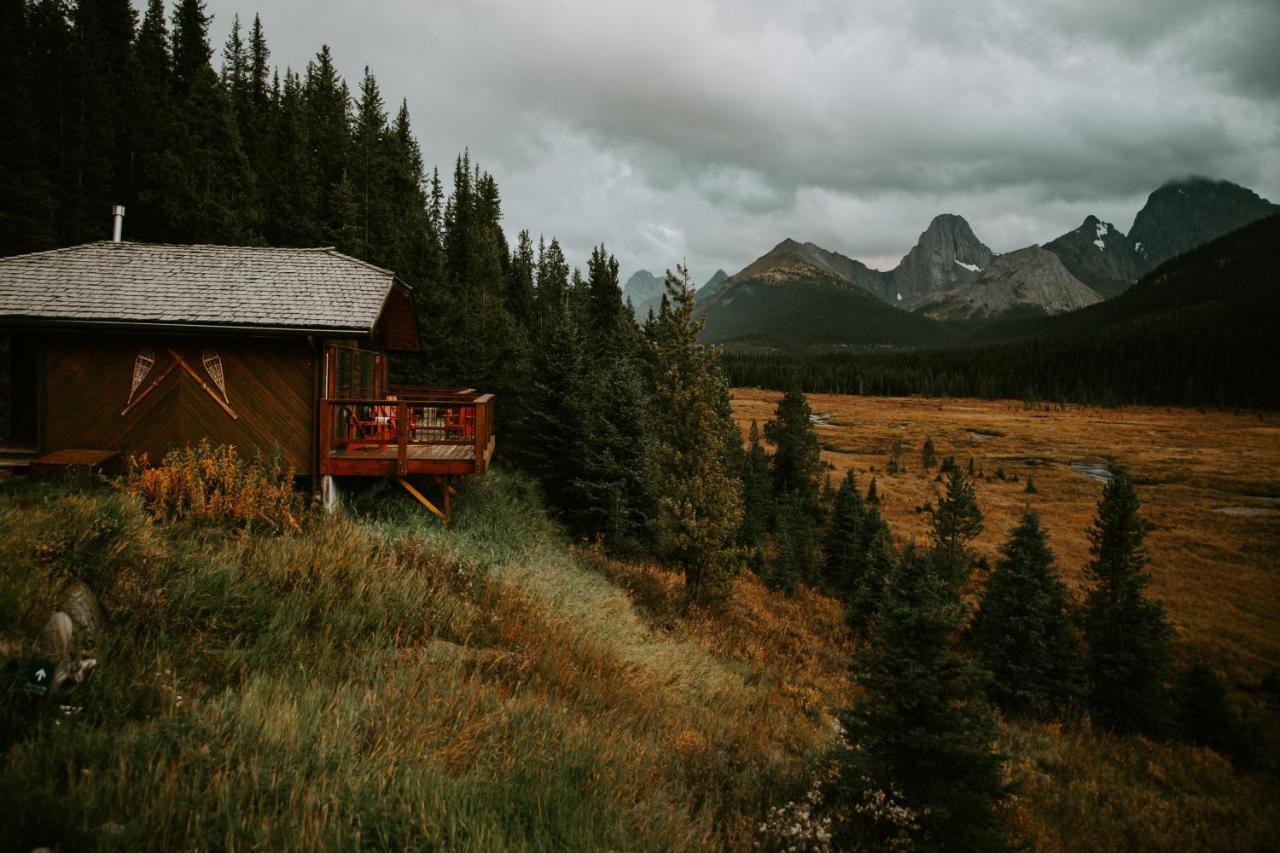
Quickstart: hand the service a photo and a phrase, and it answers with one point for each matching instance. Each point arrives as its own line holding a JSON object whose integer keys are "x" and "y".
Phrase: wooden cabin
{"x": 123, "y": 349}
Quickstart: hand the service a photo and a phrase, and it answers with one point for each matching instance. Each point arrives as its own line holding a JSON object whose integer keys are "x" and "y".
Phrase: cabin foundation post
{"x": 330, "y": 494}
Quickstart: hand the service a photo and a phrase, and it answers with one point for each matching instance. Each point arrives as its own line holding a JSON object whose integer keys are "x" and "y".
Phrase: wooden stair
{"x": 15, "y": 457}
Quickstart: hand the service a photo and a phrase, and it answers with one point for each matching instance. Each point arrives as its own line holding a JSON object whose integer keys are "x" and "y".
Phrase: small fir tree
{"x": 1126, "y": 633}
{"x": 797, "y": 458}
{"x": 844, "y": 537}
{"x": 1022, "y": 631}
{"x": 757, "y": 499}
{"x": 922, "y": 726}
{"x": 928, "y": 456}
{"x": 699, "y": 502}
{"x": 954, "y": 522}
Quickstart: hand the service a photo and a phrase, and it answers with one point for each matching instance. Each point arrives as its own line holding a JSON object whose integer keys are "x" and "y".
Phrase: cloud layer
{"x": 709, "y": 131}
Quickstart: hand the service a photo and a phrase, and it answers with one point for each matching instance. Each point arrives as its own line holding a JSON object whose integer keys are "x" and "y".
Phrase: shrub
{"x": 205, "y": 484}
{"x": 1205, "y": 716}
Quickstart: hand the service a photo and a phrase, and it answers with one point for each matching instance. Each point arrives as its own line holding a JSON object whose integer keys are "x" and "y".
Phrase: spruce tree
{"x": 955, "y": 522}
{"x": 797, "y": 458}
{"x": 844, "y": 537}
{"x": 368, "y": 170}
{"x": 520, "y": 282}
{"x": 928, "y": 455}
{"x": 1127, "y": 637}
{"x": 698, "y": 502}
{"x": 757, "y": 498}
{"x": 209, "y": 190}
{"x": 797, "y": 557}
{"x": 1022, "y": 631}
{"x": 921, "y": 726}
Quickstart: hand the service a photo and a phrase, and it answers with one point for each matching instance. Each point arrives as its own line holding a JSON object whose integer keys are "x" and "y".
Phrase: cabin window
{"x": 356, "y": 374}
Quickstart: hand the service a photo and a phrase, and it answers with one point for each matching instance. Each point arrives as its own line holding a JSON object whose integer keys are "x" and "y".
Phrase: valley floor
{"x": 1209, "y": 483}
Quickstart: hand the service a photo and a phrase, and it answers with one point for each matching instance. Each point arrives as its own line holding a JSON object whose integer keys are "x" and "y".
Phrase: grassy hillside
{"x": 378, "y": 681}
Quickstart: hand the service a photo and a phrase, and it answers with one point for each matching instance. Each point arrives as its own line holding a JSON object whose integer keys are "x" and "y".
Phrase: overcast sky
{"x": 709, "y": 131}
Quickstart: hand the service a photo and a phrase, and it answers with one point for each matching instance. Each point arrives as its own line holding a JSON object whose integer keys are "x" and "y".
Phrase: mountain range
{"x": 950, "y": 287}
{"x": 645, "y": 289}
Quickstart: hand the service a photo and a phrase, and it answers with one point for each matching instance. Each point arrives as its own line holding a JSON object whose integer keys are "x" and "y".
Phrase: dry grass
{"x": 382, "y": 682}
{"x": 1217, "y": 573}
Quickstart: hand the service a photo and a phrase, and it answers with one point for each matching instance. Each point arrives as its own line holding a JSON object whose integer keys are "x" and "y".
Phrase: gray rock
{"x": 82, "y": 606}
{"x": 1100, "y": 255}
{"x": 58, "y": 637}
{"x": 1028, "y": 281}
{"x": 70, "y": 674}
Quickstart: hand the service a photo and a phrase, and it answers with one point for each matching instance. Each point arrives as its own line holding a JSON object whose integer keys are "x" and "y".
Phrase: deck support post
{"x": 329, "y": 493}
{"x": 422, "y": 499}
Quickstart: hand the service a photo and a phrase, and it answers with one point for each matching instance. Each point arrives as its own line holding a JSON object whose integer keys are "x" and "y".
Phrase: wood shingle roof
{"x": 131, "y": 284}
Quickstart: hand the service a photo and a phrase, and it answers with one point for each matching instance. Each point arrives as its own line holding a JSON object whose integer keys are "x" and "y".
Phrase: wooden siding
{"x": 397, "y": 328}
{"x": 270, "y": 386}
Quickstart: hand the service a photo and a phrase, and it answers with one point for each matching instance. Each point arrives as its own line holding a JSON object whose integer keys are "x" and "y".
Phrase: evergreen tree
{"x": 209, "y": 188}
{"x": 325, "y": 109}
{"x": 928, "y": 456}
{"x": 921, "y": 727}
{"x": 798, "y": 556}
{"x": 873, "y": 496}
{"x": 553, "y": 280}
{"x": 520, "y": 282}
{"x": 604, "y": 297}
{"x": 953, "y": 523}
{"x": 28, "y": 219}
{"x": 797, "y": 459}
{"x": 558, "y": 398}
{"x": 289, "y": 191}
{"x": 94, "y": 173}
{"x": 757, "y": 499}
{"x": 368, "y": 173}
{"x": 1022, "y": 631}
{"x": 1126, "y": 633}
{"x": 699, "y": 503}
{"x": 844, "y": 537}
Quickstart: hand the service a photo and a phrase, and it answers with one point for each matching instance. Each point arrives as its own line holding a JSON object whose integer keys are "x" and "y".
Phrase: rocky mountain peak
{"x": 947, "y": 255}
{"x": 643, "y": 286}
{"x": 1098, "y": 254}
{"x": 1184, "y": 214}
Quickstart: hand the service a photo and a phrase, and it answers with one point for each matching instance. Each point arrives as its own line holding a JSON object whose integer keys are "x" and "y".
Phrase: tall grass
{"x": 380, "y": 681}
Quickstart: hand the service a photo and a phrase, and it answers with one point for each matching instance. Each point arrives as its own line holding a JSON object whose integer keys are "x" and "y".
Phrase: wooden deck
{"x": 443, "y": 435}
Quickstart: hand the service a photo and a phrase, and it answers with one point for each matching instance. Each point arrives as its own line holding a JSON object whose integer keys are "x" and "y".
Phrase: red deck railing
{"x": 418, "y": 431}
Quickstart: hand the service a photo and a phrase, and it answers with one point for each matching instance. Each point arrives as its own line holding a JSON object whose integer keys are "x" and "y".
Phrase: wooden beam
{"x": 422, "y": 499}
{"x": 155, "y": 384}
{"x": 217, "y": 398}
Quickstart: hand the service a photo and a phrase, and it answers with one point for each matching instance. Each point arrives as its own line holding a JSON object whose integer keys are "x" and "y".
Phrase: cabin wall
{"x": 270, "y": 386}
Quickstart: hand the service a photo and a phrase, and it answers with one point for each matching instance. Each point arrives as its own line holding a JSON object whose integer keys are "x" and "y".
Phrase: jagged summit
{"x": 1186, "y": 213}
{"x": 1098, "y": 254}
{"x": 947, "y": 255}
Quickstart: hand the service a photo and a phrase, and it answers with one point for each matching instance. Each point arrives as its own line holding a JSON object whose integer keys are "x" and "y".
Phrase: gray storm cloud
{"x": 708, "y": 131}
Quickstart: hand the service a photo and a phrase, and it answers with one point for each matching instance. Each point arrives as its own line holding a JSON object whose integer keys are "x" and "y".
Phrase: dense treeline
{"x": 1214, "y": 356}
{"x": 627, "y": 429}
{"x": 1203, "y": 329}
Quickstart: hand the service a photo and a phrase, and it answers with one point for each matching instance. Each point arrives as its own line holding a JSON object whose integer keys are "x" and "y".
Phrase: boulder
{"x": 57, "y": 639}
{"x": 82, "y": 606}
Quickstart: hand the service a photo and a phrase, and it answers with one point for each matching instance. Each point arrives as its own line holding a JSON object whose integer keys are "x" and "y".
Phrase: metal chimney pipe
{"x": 117, "y": 222}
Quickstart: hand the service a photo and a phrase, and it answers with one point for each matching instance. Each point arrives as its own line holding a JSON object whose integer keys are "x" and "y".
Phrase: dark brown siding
{"x": 398, "y": 326}
{"x": 269, "y": 386}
